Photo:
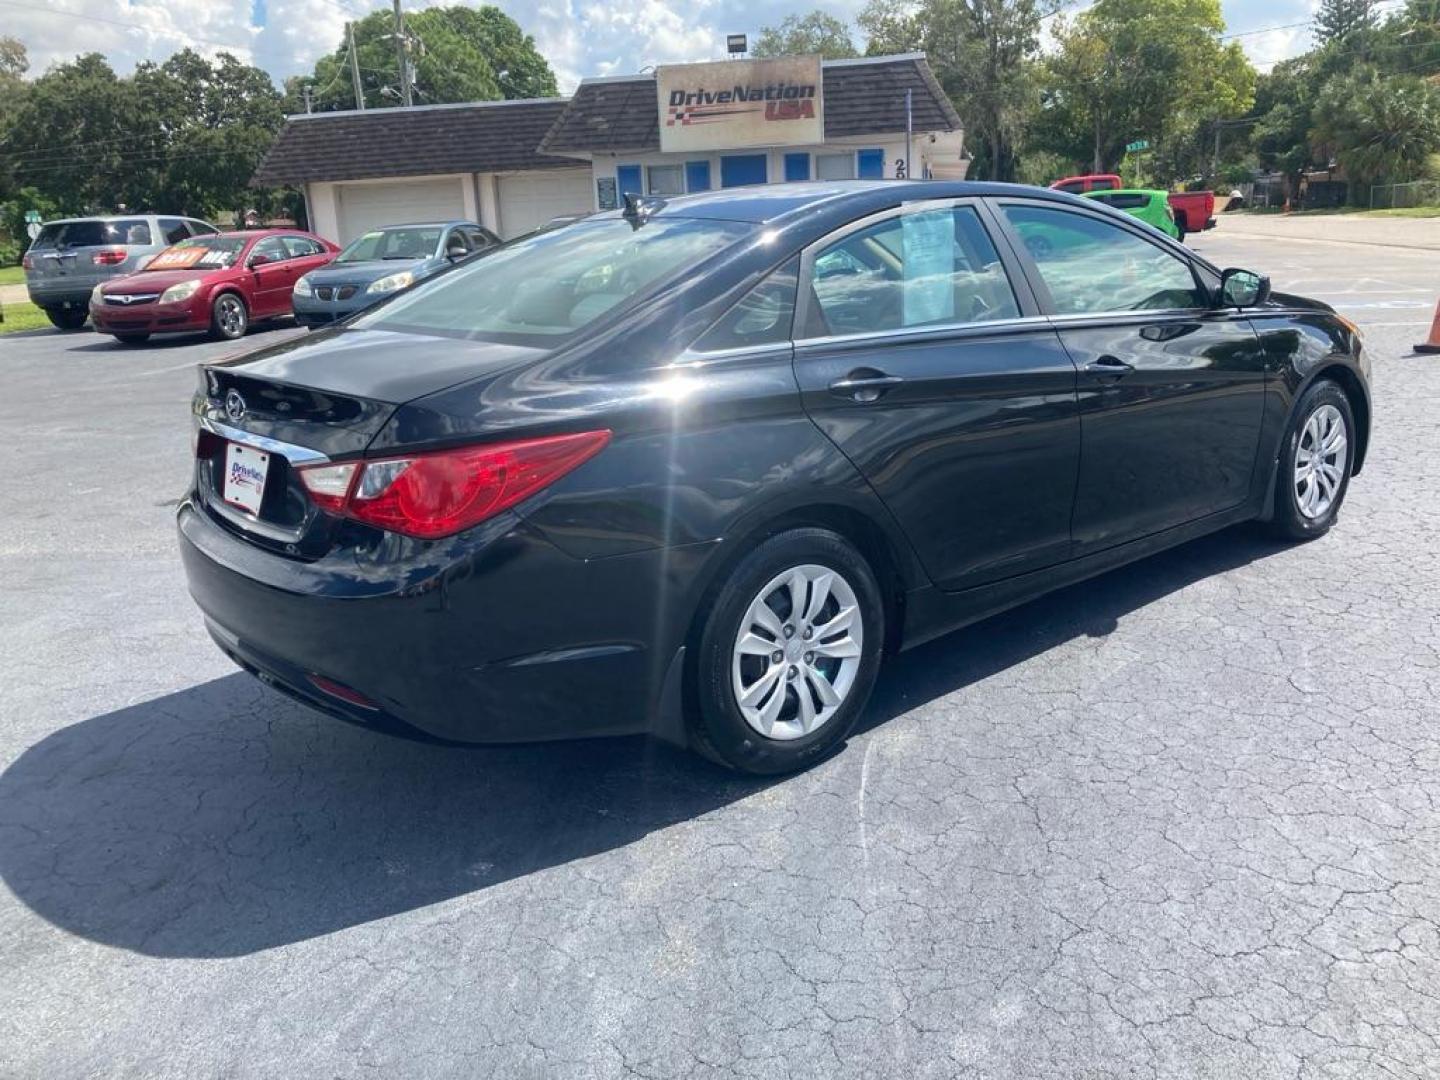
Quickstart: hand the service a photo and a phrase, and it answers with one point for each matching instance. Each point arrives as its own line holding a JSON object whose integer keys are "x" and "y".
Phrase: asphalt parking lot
{"x": 1179, "y": 821}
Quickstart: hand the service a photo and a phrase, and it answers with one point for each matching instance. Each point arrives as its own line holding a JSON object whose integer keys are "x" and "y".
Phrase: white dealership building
{"x": 513, "y": 165}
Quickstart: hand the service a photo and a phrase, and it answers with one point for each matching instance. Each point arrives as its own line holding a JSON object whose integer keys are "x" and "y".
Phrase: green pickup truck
{"x": 1151, "y": 207}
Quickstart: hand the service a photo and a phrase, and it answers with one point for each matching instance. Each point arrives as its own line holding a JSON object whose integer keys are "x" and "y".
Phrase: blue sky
{"x": 579, "y": 37}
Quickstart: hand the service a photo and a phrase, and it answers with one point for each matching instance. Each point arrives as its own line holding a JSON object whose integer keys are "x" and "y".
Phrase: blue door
{"x": 743, "y": 169}
{"x": 797, "y": 167}
{"x": 697, "y": 176}
{"x": 872, "y": 164}
{"x": 628, "y": 179}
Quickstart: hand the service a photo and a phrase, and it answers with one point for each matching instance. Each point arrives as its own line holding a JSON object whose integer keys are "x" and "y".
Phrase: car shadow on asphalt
{"x": 225, "y": 819}
{"x": 254, "y": 338}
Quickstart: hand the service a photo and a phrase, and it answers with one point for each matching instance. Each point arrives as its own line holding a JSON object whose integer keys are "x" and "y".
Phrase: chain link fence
{"x": 1396, "y": 196}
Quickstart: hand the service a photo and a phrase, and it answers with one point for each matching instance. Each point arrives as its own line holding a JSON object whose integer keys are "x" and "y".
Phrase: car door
{"x": 273, "y": 280}
{"x": 921, "y": 353}
{"x": 1171, "y": 388}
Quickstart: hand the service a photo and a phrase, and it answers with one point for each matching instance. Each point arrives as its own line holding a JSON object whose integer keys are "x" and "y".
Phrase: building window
{"x": 666, "y": 179}
{"x": 697, "y": 176}
{"x": 835, "y": 166}
{"x": 797, "y": 167}
{"x": 872, "y": 164}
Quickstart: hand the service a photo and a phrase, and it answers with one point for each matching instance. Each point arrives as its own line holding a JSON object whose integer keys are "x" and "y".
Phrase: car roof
{"x": 110, "y": 217}
{"x": 425, "y": 224}
{"x": 768, "y": 203}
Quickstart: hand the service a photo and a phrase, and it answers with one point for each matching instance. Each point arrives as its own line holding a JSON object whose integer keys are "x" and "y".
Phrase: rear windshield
{"x": 210, "y": 252}
{"x": 550, "y": 285}
{"x": 67, "y": 234}
{"x": 392, "y": 244}
{"x": 1124, "y": 201}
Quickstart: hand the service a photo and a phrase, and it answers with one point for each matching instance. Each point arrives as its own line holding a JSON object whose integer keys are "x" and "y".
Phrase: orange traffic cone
{"x": 1432, "y": 344}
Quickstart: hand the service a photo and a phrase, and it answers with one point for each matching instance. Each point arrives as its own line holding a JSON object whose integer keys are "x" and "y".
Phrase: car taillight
{"x": 438, "y": 494}
{"x": 26, "y": 262}
{"x": 108, "y": 256}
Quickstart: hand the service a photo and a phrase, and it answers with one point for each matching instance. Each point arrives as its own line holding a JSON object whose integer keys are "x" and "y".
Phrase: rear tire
{"x": 132, "y": 339}
{"x": 750, "y": 712}
{"x": 228, "y": 318}
{"x": 67, "y": 318}
{"x": 1313, "y": 472}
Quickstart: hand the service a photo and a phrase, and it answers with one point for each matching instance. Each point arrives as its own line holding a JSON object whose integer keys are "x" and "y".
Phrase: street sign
{"x": 32, "y": 217}
{"x": 33, "y": 229}
{"x": 1138, "y": 144}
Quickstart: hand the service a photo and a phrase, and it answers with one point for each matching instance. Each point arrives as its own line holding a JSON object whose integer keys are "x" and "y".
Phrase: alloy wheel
{"x": 230, "y": 315}
{"x": 797, "y": 652}
{"x": 1320, "y": 461}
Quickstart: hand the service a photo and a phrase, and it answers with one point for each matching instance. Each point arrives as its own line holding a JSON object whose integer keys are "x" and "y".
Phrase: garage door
{"x": 369, "y": 206}
{"x": 531, "y": 199}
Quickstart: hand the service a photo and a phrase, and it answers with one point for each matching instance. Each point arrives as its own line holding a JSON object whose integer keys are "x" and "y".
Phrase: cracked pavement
{"x": 1179, "y": 821}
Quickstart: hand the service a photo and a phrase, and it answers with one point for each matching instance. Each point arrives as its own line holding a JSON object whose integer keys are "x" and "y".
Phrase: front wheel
{"x": 789, "y": 653}
{"x": 1315, "y": 462}
{"x": 67, "y": 318}
{"x": 228, "y": 318}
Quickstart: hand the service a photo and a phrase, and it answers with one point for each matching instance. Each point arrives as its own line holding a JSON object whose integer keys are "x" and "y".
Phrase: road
{"x": 1179, "y": 821}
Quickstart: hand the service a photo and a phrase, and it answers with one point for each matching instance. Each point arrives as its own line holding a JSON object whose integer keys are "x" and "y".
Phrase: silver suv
{"x": 73, "y": 255}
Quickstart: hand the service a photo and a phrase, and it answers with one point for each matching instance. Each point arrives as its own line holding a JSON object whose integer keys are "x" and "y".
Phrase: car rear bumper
{"x": 495, "y": 636}
{"x": 61, "y": 294}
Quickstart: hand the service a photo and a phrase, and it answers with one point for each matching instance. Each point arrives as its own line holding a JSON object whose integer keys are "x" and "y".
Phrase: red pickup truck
{"x": 1194, "y": 210}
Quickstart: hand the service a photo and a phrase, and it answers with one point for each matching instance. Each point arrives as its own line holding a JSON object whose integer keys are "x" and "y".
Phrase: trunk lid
{"x": 313, "y": 398}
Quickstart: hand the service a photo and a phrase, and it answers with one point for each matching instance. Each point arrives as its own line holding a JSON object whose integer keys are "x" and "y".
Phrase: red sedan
{"x": 220, "y": 283}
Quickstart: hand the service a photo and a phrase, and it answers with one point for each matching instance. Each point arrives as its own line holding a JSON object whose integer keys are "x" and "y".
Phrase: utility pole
{"x": 402, "y": 56}
{"x": 355, "y": 67}
{"x": 305, "y": 92}
{"x": 909, "y": 131}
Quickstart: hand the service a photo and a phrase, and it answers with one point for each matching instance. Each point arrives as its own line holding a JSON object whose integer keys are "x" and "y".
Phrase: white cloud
{"x": 579, "y": 37}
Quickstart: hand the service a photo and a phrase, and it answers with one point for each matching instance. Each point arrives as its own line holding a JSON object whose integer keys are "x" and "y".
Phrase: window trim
{"x": 1030, "y": 312}
{"x": 1042, "y": 291}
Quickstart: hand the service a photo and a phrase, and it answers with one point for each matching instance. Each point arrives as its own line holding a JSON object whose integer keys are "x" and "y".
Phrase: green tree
{"x": 804, "y": 35}
{"x": 1155, "y": 70}
{"x": 457, "y": 53}
{"x": 1336, "y": 19}
{"x": 13, "y": 64}
{"x": 1377, "y": 127}
{"x": 981, "y": 52}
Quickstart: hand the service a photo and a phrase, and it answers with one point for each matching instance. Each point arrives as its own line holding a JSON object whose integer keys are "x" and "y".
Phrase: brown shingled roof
{"x": 489, "y": 136}
{"x": 862, "y": 97}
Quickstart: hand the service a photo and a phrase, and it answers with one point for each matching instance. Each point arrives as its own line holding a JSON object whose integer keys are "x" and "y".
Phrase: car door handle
{"x": 865, "y": 385}
{"x": 1111, "y": 366}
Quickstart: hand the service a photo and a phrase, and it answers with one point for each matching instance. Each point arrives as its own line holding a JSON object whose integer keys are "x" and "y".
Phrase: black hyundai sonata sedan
{"x": 694, "y": 467}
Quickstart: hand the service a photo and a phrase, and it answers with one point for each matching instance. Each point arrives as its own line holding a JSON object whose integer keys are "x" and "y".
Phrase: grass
{"x": 12, "y": 275}
{"x": 23, "y": 316}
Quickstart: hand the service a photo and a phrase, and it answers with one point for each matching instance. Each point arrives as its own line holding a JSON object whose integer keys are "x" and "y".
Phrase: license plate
{"x": 245, "y": 470}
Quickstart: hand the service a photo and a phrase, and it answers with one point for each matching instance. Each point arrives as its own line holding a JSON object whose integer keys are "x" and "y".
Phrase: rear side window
{"x": 762, "y": 317}
{"x": 301, "y": 246}
{"x": 174, "y": 230}
{"x": 1074, "y": 187}
{"x": 922, "y": 267}
{"x": 1091, "y": 265}
{"x": 94, "y": 233}
{"x": 479, "y": 239}
{"x": 1104, "y": 185}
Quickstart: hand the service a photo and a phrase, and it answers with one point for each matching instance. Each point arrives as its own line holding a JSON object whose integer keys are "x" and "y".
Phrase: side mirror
{"x": 258, "y": 260}
{"x": 1243, "y": 288}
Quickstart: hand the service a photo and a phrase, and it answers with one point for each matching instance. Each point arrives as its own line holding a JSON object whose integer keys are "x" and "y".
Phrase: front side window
{"x": 1091, "y": 265}
{"x": 922, "y": 267}
{"x": 271, "y": 248}
{"x": 762, "y": 317}
{"x": 666, "y": 179}
{"x": 549, "y": 285}
{"x": 199, "y": 228}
